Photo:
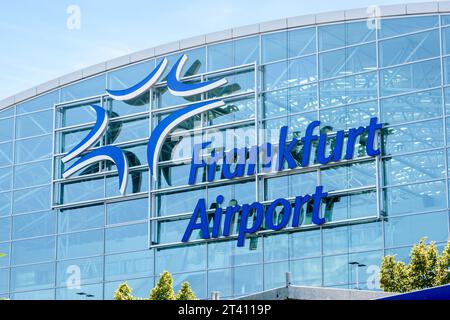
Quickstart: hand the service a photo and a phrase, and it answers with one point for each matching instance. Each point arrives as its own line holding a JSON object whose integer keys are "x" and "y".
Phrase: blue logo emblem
{"x": 176, "y": 87}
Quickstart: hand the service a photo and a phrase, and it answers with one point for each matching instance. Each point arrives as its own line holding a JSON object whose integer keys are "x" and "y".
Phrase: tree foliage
{"x": 186, "y": 292}
{"x": 164, "y": 288}
{"x": 162, "y": 291}
{"x": 426, "y": 269}
{"x": 124, "y": 292}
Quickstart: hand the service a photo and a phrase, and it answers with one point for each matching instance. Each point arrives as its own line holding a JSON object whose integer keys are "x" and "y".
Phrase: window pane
{"x": 79, "y": 191}
{"x": 276, "y": 247}
{"x": 342, "y": 34}
{"x": 275, "y": 76}
{"x": 348, "y": 89}
{"x": 31, "y": 174}
{"x": 33, "y": 149}
{"x": 88, "y": 270}
{"x": 84, "y": 89}
{"x": 414, "y": 168}
{"x": 82, "y": 244}
{"x": 408, "y": 230}
{"x": 413, "y": 137}
{"x": 302, "y": 42}
{"x": 6, "y": 154}
{"x": 274, "y": 46}
{"x": 416, "y": 198}
{"x": 412, "y": 107}
{"x": 348, "y": 177}
{"x": 34, "y": 124}
{"x": 81, "y": 218}
{"x": 220, "y": 56}
{"x": 127, "y": 238}
{"x": 77, "y": 114}
{"x": 307, "y": 272}
{"x": 303, "y": 98}
{"x": 397, "y": 26}
{"x": 409, "y": 48}
{"x": 305, "y": 243}
{"x": 421, "y": 75}
{"x": 94, "y": 290}
{"x": 169, "y": 204}
{"x": 125, "y": 211}
{"x": 35, "y": 250}
{"x": 34, "y": 225}
{"x": 33, "y": 277}
{"x": 248, "y": 279}
{"x": 6, "y": 130}
{"x": 337, "y": 270}
{"x": 234, "y": 110}
{"x": 122, "y": 266}
{"x": 5, "y": 226}
{"x": 6, "y": 179}
{"x": 302, "y": 70}
{"x": 123, "y": 108}
{"x": 45, "y": 101}
{"x": 119, "y": 131}
{"x": 181, "y": 259}
{"x": 275, "y": 274}
{"x": 34, "y": 199}
{"x": 197, "y": 281}
{"x": 246, "y": 51}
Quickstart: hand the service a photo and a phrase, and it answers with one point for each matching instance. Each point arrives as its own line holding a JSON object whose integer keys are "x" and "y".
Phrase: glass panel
{"x": 6, "y": 179}
{"x": 412, "y": 107}
{"x": 181, "y": 259}
{"x": 125, "y": 211}
{"x": 82, "y": 244}
{"x": 196, "y": 280}
{"x": 409, "y": 230}
{"x": 234, "y": 110}
{"x": 409, "y": 48}
{"x": 240, "y": 81}
{"x": 77, "y": 114}
{"x": 81, "y": 218}
{"x": 346, "y": 61}
{"x": 34, "y": 124}
{"x": 248, "y": 279}
{"x": 275, "y": 103}
{"x": 246, "y": 51}
{"x": 35, "y": 295}
{"x": 307, "y": 272}
{"x": 34, "y": 225}
{"x": 122, "y": 266}
{"x": 416, "y": 198}
{"x": 169, "y": 204}
{"x": 275, "y": 274}
{"x": 220, "y": 56}
{"x": 5, "y": 226}
{"x": 303, "y": 98}
{"x": 33, "y": 149}
{"x": 84, "y": 89}
{"x": 123, "y": 108}
{"x": 6, "y": 154}
{"x": 5, "y": 249}
{"x": 413, "y": 137}
{"x": 174, "y": 175}
{"x": 82, "y": 190}
{"x": 127, "y": 77}
{"x": 348, "y": 89}
{"x": 302, "y": 41}
{"x": 414, "y": 168}
{"x": 138, "y": 182}
{"x": 4, "y": 280}
{"x": 365, "y": 236}
{"x": 346, "y": 117}
{"x": 91, "y": 292}
{"x": 446, "y": 40}
{"x": 5, "y": 204}
{"x": 305, "y": 243}
{"x": 8, "y": 112}
{"x": 34, "y": 250}
{"x": 45, "y": 101}
{"x": 274, "y": 46}
{"x": 222, "y": 281}
{"x": 195, "y": 65}
{"x": 397, "y": 26}
{"x": 302, "y": 70}
{"x": 32, "y": 174}
{"x": 337, "y": 270}
{"x": 172, "y": 231}
{"x": 275, "y": 76}
{"x": 348, "y": 177}
{"x": 33, "y": 277}
{"x": 118, "y": 131}
{"x": 342, "y": 34}
{"x": 421, "y": 75}
{"x": 88, "y": 270}
{"x": 34, "y": 199}
{"x": 276, "y": 247}
{"x": 127, "y": 238}
{"x": 347, "y": 206}
{"x": 6, "y": 130}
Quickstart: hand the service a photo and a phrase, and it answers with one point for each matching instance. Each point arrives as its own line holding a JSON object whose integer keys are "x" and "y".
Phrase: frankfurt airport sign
{"x": 237, "y": 162}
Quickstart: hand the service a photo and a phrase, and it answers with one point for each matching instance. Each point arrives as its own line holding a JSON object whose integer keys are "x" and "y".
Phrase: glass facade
{"x": 63, "y": 237}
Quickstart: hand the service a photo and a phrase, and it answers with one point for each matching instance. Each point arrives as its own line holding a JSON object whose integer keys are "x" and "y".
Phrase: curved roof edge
{"x": 228, "y": 34}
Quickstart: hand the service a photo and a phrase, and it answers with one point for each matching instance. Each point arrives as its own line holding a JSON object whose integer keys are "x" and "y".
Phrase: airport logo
{"x": 176, "y": 87}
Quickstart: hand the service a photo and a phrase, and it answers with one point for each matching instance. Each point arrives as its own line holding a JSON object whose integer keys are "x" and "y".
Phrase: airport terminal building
{"x": 89, "y": 200}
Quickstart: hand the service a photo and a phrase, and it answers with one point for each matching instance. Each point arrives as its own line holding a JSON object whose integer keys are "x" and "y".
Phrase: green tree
{"x": 164, "y": 288}
{"x": 443, "y": 267}
{"x": 426, "y": 269}
{"x": 186, "y": 292}
{"x": 124, "y": 292}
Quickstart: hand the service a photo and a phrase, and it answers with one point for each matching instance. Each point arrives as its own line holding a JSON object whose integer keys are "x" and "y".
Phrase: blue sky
{"x": 36, "y": 44}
